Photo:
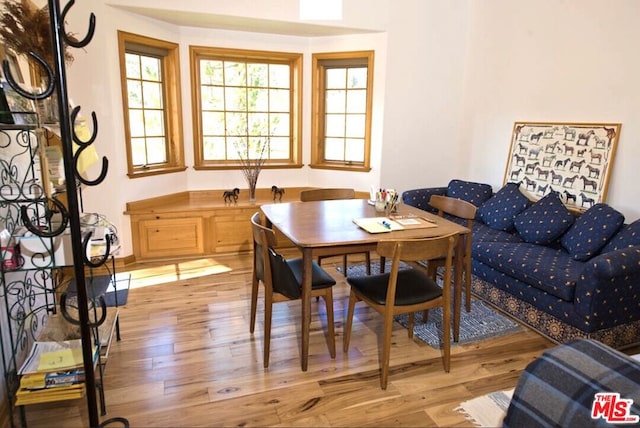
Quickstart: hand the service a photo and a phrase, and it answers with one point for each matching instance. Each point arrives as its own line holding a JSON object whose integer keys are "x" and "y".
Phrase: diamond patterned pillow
{"x": 545, "y": 221}
{"x": 628, "y": 236}
{"x": 591, "y": 231}
{"x": 499, "y": 211}
{"x": 475, "y": 193}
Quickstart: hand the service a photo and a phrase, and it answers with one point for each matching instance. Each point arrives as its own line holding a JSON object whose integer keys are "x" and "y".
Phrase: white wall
{"x": 423, "y": 145}
{"x": 451, "y": 79}
{"x": 556, "y": 61}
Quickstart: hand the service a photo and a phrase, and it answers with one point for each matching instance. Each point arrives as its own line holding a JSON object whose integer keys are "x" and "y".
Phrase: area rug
{"x": 481, "y": 323}
{"x": 122, "y": 295}
{"x": 487, "y": 410}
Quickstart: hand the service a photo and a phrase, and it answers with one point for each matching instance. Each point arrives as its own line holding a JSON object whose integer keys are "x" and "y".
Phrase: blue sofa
{"x": 566, "y": 275}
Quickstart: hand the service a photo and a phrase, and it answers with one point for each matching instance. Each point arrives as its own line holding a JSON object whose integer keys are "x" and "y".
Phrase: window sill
{"x": 156, "y": 171}
{"x": 340, "y": 167}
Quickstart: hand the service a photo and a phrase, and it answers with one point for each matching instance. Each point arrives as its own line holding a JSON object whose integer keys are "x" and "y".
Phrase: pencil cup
{"x": 380, "y": 205}
{"x": 390, "y": 208}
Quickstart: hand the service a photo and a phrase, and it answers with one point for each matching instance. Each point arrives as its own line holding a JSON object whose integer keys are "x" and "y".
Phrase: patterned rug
{"x": 481, "y": 323}
{"x": 487, "y": 410}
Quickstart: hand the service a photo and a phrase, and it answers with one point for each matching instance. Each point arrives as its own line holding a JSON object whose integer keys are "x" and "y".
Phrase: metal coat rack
{"x": 56, "y": 81}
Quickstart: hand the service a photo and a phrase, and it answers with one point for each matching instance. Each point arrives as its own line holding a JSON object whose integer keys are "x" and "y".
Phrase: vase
{"x": 252, "y": 191}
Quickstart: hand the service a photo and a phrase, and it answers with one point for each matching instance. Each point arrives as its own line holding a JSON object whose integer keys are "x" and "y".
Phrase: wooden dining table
{"x": 321, "y": 228}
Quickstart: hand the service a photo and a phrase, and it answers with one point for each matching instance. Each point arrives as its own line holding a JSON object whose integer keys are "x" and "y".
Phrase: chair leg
{"x": 386, "y": 350}
{"x": 432, "y": 273}
{"x": 368, "y": 261}
{"x": 268, "y": 307}
{"x": 348, "y": 322}
{"x": 467, "y": 272}
{"x": 468, "y": 292}
{"x": 344, "y": 264}
{"x": 410, "y": 325}
{"x": 254, "y": 303}
{"x": 328, "y": 300}
{"x": 446, "y": 335}
{"x": 467, "y": 286}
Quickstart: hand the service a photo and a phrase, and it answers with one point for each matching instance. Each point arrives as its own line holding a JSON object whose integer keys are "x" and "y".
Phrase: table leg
{"x": 457, "y": 287}
{"x": 307, "y": 260}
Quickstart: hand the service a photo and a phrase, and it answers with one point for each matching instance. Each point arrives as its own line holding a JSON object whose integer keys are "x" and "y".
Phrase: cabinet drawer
{"x": 171, "y": 237}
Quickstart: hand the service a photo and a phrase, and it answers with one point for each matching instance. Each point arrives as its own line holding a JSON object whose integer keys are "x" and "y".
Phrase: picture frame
{"x": 573, "y": 159}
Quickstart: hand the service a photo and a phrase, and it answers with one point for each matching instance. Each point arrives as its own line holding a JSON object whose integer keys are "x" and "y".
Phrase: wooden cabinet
{"x": 165, "y": 236}
{"x": 199, "y": 223}
{"x": 196, "y": 223}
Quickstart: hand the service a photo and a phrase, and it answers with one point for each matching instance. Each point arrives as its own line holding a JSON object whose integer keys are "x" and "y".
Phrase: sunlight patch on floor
{"x": 176, "y": 271}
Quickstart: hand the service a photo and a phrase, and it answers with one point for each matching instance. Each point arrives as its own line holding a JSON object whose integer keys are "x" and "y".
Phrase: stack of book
{"x": 53, "y": 371}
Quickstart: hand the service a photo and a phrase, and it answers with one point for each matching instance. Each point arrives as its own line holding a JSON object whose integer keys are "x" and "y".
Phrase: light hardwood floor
{"x": 186, "y": 358}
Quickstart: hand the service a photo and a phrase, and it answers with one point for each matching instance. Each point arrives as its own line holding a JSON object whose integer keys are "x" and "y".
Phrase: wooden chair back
{"x": 270, "y": 266}
{"x": 453, "y": 206}
{"x": 465, "y": 210}
{"x": 263, "y": 239}
{"x": 327, "y": 194}
{"x": 413, "y": 250}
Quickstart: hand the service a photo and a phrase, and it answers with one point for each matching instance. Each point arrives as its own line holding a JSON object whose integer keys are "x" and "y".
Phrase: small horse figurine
{"x": 277, "y": 191}
{"x": 231, "y": 195}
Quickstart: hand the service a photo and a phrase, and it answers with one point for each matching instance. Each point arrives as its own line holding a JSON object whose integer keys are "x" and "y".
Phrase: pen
{"x": 386, "y": 224}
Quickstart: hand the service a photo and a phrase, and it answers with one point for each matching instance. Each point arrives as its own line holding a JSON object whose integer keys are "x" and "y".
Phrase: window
{"x": 341, "y": 122}
{"x": 150, "y": 78}
{"x": 246, "y": 104}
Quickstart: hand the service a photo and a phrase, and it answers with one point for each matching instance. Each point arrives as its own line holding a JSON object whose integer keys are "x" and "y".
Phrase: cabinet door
{"x": 168, "y": 237}
{"x": 232, "y": 230}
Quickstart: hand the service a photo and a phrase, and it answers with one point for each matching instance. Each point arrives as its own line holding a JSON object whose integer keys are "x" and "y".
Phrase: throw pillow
{"x": 591, "y": 231}
{"x": 499, "y": 211}
{"x": 545, "y": 221}
{"x": 475, "y": 193}
{"x": 628, "y": 236}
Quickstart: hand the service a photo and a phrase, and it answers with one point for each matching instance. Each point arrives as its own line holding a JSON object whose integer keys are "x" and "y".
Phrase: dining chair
{"x": 405, "y": 291}
{"x": 328, "y": 194}
{"x": 463, "y": 210}
{"x": 282, "y": 279}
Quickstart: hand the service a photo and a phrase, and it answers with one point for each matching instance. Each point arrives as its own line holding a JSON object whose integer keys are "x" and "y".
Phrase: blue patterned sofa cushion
{"x": 419, "y": 198}
{"x": 547, "y": 269}
{"x": 627, "y": 236}
{"x": 499, "y": 211}
{"x": 591, "y": 231}
{"x": 544, "y": 221}
{"x": 475, "y": 193}
{"x": 483, "y": 233}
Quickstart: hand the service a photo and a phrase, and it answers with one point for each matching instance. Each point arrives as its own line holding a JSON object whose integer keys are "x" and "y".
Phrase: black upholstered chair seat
{"x": 319, "y": 277}
{"x": 417, "y": 287}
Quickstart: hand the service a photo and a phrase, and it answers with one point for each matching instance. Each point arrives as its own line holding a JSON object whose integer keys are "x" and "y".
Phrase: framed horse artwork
{"x": 573, "y": 159}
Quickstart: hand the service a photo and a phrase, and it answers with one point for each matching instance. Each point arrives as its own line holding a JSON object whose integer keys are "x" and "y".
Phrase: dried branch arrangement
{"x": 26, "y": 28}
{"x": 251, "y": 167}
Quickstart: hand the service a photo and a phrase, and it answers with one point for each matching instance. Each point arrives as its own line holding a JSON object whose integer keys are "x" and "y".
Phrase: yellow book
{"x": 71, "y": 392}
{"x": 61, "y": 359}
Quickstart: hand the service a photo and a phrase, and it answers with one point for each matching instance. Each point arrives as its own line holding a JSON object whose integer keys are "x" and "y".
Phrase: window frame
{"x": 170, "y": 64}
{"x": 294, "y": 60}
{"x": 320, "y": 63}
